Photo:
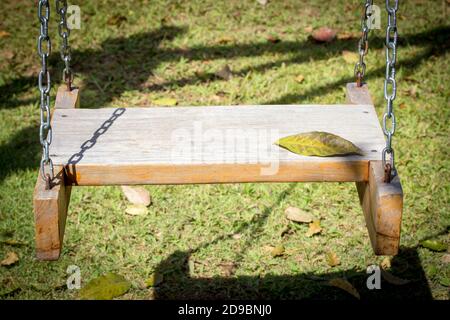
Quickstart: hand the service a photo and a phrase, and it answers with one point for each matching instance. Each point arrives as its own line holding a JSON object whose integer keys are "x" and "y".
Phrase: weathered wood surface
{"x": 382, "y": 205}
{"x": 50, "y": 212}
{"x": 50, "y": 206}
{"x": 67, "y": 99}
{"x": 358, "y": 95}
{"x": 208, "y": 144}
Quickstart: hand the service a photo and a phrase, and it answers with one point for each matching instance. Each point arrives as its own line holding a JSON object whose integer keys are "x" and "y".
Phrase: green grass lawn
{"x": 209, "y": 241}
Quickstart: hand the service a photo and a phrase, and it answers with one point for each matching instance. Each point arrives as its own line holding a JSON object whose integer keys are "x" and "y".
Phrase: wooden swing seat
{"x": 230, "y": 144}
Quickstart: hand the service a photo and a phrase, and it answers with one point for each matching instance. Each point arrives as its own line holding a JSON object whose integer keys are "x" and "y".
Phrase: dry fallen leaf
{"x": 314, "y": 228}
{"x": 236, "y": 236}
{"x": 297, "y": 215}
{"x": 349, "y": 56}
{"x": 4, "y": 34}
{"x": 10, "y": 259}
{"x": 137, "y": 195}
{"x": 225, "y": 73}
{"x": 277, "y": 251}
{"x": 136, "y": 210}
{"x": 262, "y": 2}
{"x": 224, "y": 40}
{"x": 169, "y": 102}
{"x": 332, "y": 259}
{"x": 390, "y": 278}
{"x": 324, "y": 34}
{"x": 318, "y": 143}
{"x": 273, "y": 39}
{"x": 308, "y": 29}
{"x": 344, "y": 285}
{"x": 386, "y": 263}
{"x": 300, "y": 78}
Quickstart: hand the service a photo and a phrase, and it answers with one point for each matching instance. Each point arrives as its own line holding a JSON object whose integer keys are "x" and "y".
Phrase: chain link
{"x": 65, "y": 50}
{"x": 44, "y": 47}
{"x": 390, "y": 88}
{"x": 363, "y": 44}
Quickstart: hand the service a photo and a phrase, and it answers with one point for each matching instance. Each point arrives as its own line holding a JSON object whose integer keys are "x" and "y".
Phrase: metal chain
{"x": 65, "y": 50}
{"x": 390, "y": 89}
{"x": 363, "y": 44}
{"x": 44, "y": 47}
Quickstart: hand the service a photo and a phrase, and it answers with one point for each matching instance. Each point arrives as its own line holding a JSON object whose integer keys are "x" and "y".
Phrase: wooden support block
{"x": 382, "y": 205}
{"x": 50, "y": 206}
{"x": 50, "y": 212}
{"x": 67, "y": 99}
{"x": 358, "y": 95}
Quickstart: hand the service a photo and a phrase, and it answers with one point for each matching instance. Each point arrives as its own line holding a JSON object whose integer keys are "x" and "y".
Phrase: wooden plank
{"x": 207, "y": 173}
{"x": 67, "y": 99}
{"x": 50, "y": 206}
{"x": 358, "y": 95}
{"x": 208, "y": 144}
{"x": 382, "y": 205}
{"x": 50, "y": 212}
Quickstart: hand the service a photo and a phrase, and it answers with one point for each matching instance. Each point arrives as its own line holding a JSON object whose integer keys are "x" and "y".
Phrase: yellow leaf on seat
{"x": 165, "y": 102}
{"x": 318, "y": 143}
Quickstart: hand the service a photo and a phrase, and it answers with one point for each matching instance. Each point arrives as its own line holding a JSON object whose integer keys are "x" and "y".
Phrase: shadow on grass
{"x": 178, "y": 284}
{"x": 22, "y": 152}
{"x": 126, "y": 63}
{"x": 11, "y": 91}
